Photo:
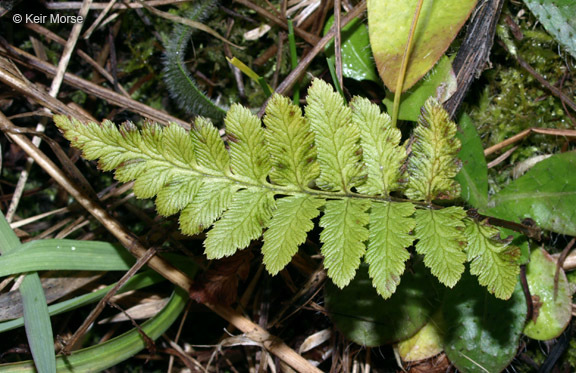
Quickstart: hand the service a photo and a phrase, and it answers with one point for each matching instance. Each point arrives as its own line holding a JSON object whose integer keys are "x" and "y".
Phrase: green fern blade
{"x": 291, "y": 221}
{"x": 344, "y": 222}
{"x": 213, "y": 198}
{"x": 390, "y": 228}
{"x": 381, "y": 152}
{"x": 250, "y": 211}
{"x": 209, "y": 148}
{"x": 248, "y": 154}
{"x": 494, "y": 261}
{"x": 434, "y": 163}
{"x": 441, "y": 241}
{"x": 177, "y": 195}
{"x": 291, "y": 144}
{"x": 336, "y": 138}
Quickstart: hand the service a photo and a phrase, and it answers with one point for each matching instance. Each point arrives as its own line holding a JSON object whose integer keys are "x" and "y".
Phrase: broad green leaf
{"x": 105, "y": 355}
{"x": 382, "y": 155}
{"x": 43, "y": 255}
{"x": 249, "y": 212}
{"x": 473, "y": 176}
{"x": 357, "y": 60}
{"x": 493, "y": 260}
{"x": 389, "y": 23}
{"x": 546, "y": 193}
{"x": 440, "y": 83}
{"x": 248, "y": 155}
{"x": 433, "y": 163}
{"x": 291, "y": 221}
{"x": 367, "y": 319}
{"x": 212, "y": 200}
{"x": 482, "y": 332}
{"x": 426, "y": 343}
{"x": 336, "y": 138}
{"x": 344, "y": 223}
{"x": 442, "y": 241}
{"x": 390, "y": 228}
{"x": 553, "y": 310}
{"x": 557, "y": 17}
{"x": 291, "y": 144}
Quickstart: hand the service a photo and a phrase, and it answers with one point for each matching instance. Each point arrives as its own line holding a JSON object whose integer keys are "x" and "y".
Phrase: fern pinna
{"x": 339, "y": 161}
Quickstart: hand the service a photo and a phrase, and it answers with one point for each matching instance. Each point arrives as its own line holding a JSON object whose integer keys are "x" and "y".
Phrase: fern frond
{"x": 290, "y": 223}
{"x": 381, "y": 153}
{"x": 493, "y": 260}
{"x": 181, "y": 85}
{"x": 442, "y": 242}
{"x": 344, "y": 223}
{"x": 390, "y": 228}
{"x": 340, "y": 162}
{"x": 291, "y": 144}
{"x": 336, "y": 136}
{"x": 434, "y": 163}
{"x": 248, "y": 155}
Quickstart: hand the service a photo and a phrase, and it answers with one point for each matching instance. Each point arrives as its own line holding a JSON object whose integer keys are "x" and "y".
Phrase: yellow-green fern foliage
{"x": 345, "y": 163}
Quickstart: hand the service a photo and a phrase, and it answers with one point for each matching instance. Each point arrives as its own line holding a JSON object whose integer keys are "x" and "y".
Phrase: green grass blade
{"x": 36, "y": 318}
{"x": 43, "y": 255}
{"x": 37, "y": 323}
{"x": 116, "y": 350}
{"x": 139, "y": 281}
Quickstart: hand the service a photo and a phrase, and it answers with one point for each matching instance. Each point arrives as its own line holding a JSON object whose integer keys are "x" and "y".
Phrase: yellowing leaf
{"x": 389, "y": 23}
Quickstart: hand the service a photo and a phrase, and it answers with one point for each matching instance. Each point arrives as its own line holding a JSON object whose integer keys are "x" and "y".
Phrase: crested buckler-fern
{"x": 343, "y": 163}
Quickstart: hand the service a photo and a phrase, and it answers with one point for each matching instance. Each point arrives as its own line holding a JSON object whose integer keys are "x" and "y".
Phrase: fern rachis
{"x": 340, "y": 162}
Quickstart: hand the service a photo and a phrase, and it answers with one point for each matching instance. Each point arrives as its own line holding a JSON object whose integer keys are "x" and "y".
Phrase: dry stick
{"x": 560, "y": 263}
{"x": 473, "y": 56}
{"x": 525, "y": 133}
{"x": 309, "y": 38}
{"x": 289, "y": 81}
{"x": 54, "y": 89}
{"x": 101, "y": 16}
{"x": 338, "y": 43}
{"x": 91, "y": 88}
{"x": 52, "y": 36}
{"x": 149, "y": 254}
{"x": 253, "y": 331}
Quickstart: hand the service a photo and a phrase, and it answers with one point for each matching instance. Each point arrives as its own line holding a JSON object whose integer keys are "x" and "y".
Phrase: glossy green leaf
{"x": 367, "y": 319}
{"x": 357, "y": 60}
{"x": 440, "y": 82}
{"x": 557, "y": 17}
{"x": 482, "y": 332}
{"x": 552, "y": 312}
{"x": 473, "y": 176}
{"x": 389, "y": 23}
{"x": 424, "y": 344}
{"x": 546, "y": 193}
